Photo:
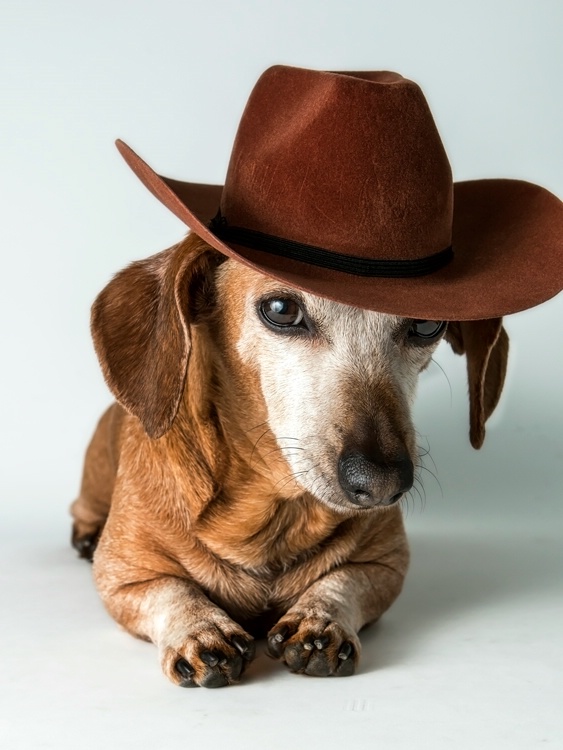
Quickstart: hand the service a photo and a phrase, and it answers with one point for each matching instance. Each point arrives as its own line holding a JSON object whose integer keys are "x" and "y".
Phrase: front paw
{"x": 313, "y": 644}
{"x": 210, "y": 655}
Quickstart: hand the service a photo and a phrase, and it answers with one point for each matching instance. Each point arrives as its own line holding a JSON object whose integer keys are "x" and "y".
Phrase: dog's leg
{"x": 318, "y": 634}
{"x": 198, "y": 643}
{"x": 91, "y": 508}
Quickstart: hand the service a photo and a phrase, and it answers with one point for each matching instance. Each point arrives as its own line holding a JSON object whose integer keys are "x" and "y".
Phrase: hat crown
{"x": 351, "y": 162}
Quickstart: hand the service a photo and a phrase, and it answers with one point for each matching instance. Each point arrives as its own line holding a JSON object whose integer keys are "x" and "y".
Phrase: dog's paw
{"x": 85, "y": 539}
{"x": 214, "y": 654}
{"x": 313, "y": 644}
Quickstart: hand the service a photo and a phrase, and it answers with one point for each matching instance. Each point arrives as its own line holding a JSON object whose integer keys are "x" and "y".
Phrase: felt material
{"x": 353, "y": 163}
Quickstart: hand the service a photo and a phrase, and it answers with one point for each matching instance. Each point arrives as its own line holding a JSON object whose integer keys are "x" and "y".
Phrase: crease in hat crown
{"x": 352, "y": 163}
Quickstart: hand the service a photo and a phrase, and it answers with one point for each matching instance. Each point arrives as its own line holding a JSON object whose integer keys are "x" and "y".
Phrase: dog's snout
{"x": 369, "y": 484}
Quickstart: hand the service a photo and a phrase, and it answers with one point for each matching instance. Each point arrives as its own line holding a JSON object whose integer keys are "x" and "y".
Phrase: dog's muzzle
{"x": 369, "y": 485}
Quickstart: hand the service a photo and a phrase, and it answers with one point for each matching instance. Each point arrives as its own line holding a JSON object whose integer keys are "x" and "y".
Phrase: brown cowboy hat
{"x": 339, "y": 185}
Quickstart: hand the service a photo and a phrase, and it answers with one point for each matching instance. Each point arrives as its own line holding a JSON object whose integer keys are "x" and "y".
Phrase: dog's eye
{"x": 426, "y": 330}
{"x": 282, "y": 312}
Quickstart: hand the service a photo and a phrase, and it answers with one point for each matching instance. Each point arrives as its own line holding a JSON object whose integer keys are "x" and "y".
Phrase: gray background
{"x": 471, "y": 655}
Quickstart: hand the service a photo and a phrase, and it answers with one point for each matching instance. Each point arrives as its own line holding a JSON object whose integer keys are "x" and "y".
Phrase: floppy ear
{"x": 141, "y": 330}
{"x": 485, "y": 344}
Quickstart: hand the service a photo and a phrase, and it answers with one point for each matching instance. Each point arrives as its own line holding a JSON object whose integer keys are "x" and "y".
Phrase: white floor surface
{"x": 471, "y": 656}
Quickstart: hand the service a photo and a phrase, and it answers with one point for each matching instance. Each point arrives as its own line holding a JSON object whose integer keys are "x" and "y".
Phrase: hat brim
{"x": 507, "y": 241}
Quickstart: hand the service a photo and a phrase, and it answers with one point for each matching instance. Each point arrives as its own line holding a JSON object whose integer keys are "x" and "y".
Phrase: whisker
{"x": 255, "y": 446}
{"x": 257, "y": 426}
{"x": 408, "y": 497}
{"x": 430, "y": 457}
{"x": 445, "y": 375}
{"x": 277, "y": 448}
{"x": 420, "y": 492}
{"x": 281, "y": 448}
{"x": 288, "y": 479}
{"x": 423, "y": 453}
{"x": 320, "y": 487}
{"x": 424, "y": 468}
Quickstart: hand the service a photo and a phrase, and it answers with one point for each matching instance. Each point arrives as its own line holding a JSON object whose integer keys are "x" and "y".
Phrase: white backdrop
{"x": 171, "y": 78}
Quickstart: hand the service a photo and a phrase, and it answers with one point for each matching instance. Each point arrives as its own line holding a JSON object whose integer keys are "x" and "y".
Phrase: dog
{"x": 247, "y": 482}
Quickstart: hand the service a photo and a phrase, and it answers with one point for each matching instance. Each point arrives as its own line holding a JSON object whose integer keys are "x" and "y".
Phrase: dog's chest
{"x": 261, "y": 562}
{"x": 265, "y": 537}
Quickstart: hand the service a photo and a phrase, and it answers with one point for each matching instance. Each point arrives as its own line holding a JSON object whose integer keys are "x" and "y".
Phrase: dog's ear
{"x": 141, "y": 330}
{"x": 485, "y": 344}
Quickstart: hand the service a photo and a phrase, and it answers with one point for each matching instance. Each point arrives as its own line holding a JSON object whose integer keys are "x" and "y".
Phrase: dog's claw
{"x": 209, "y": 658}
{"x": 313, "y": 645}
{"x": 215, "y": 667}
{"x": 275, "y": 641}
{"x": 184, "y": 669}
{"x": 245, "y": 648}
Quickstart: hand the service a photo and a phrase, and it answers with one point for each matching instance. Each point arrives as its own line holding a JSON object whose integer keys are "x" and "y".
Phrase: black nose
{"x": 369, "y": 484}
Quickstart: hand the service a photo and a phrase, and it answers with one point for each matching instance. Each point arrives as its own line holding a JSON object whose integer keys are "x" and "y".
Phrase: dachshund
{"x": 247, "y": 481}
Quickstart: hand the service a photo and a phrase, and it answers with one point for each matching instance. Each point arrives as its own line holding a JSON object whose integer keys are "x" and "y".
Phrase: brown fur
{"x": 207, "y": 538}
{"x": 485, "y": 342}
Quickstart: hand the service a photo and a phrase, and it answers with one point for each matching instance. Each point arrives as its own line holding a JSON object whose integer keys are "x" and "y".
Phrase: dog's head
{"x": 335, "y": 383}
